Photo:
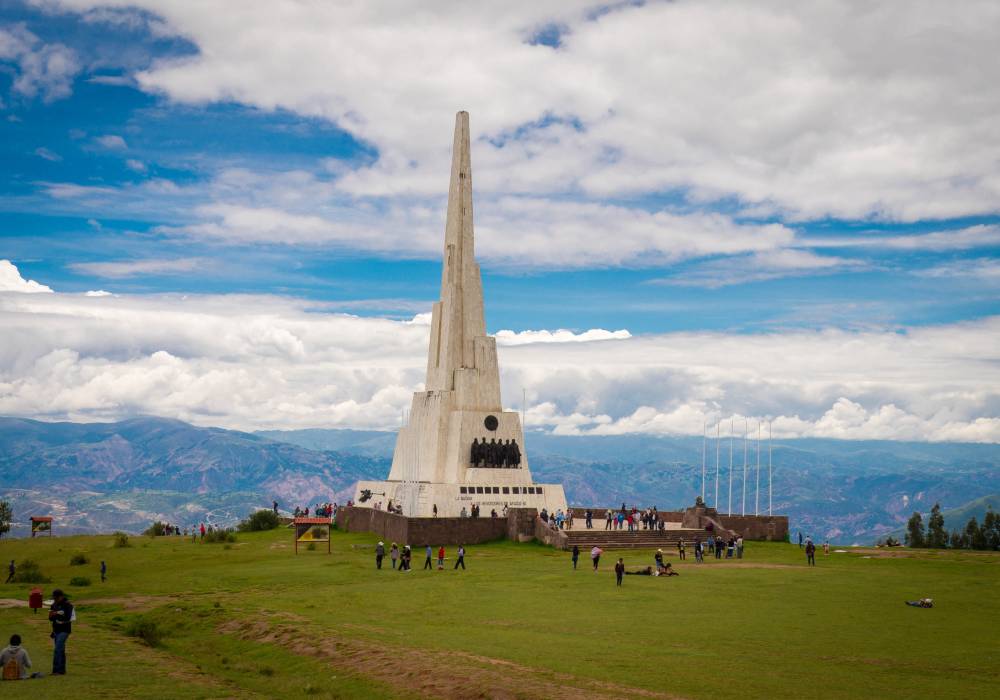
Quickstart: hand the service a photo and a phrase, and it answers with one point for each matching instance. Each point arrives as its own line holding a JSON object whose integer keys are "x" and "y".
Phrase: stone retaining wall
{"x": 418, "y": 532}
{"x": 752, "y": 527}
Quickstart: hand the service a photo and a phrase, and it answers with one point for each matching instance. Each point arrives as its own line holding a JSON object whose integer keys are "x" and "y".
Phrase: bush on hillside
{"x": 78, "y": 559}
{"x": 157, "y": 529}
{"x": 261, "y": 520}
{"x": 146, "y": 630}
{"x": 79, "y": 581}
{"x": 28, "y": 572}
{"x": 121, "y": 540}
{"x": 220, "y": 536}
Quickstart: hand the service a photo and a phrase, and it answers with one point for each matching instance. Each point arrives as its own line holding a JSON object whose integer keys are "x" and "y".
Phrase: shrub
{"x": 261, "y": 520}
{"x": 146, "y": 630}
{"x": 311, "y": 546}
{"x": 121, "y": 540}
{"x": 78, "y": 559}
{"x": 28, "y": 572}
{"x": 79, "y": 581}
{"x": 266, "y": 671}
{"x": 220, "y": 536}
{"x": 157, "y": 529}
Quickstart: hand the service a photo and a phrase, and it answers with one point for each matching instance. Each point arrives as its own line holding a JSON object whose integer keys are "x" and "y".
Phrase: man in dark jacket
{"x": 380, "y": 554}
{"x": 61, "y": 616}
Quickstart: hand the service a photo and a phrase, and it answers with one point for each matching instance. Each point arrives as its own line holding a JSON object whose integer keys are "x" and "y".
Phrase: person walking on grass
{"x": 394, "y": 554}
{"x": 680, "y": 549}
{"x": 576, "y": 555}
{"x": 379, "y": 554}
{"x": 461, "y": 557}
{"x": 441, "y": 558}
{"x": 810, "y": 552}
{"x": 11, "y": 570}
{"x": 428, "y": 562}
{"x": 104, "y": 571}
{"x": 619, "y": 571}
{"x": 595, "y": 556}
{"x": 61, "y": 615}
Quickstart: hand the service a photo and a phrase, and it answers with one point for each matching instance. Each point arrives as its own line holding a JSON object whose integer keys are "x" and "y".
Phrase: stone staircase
{"x": 641, "y": 539}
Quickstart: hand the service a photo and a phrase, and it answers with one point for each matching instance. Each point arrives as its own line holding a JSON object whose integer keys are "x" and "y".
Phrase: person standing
{"x": 619, "y": 571}
{"x": 800, "y": 539}
{"x": 576, "y": 555}
{"x": 739, "y": 547}
{"x": 441, "y": 558}
{"x": 104, "y": 571}
{"x": 680, "y": 549}
{"x": 428, "y": 562}
{"x": 595, "y": 556}
{"x": 202, "y": 530}
{"x": 697, "y": 550}
{"x": 435, "y": 512}
{"x": 394, "y": 554}
{"x": 461, "y": 557}
{"x": 810, "y": 552}
{"x": 11, "y": 570}
{"x": 658, "y": 559}
{"x": 590, "y": 518}
{"x": 379, "y": 554}
{"x": 274, "y": 505}
{"x": 61, "y": 616}
{"x": 607, "y": 521}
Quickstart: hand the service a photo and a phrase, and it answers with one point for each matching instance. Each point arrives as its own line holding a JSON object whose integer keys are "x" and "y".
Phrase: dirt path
{"x": 420, "y": 670}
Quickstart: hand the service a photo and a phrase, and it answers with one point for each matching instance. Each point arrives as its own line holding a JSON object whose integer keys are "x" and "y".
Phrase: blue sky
{"x": 58, "y": 140}
{"x": 820, "y": 174}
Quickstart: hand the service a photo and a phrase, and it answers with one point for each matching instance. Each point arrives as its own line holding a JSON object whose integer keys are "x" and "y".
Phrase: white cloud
{"x": 44, "y": 70}
{"x": 757, "y": 267}
{"x": 112, "y": 142}
{"x": 562, "y": 335}
{"x": 806, "y": 109}
{"x": 978, "y": 236}
{"x": 46, "y": 154}
{"x": 136, "y": 165}
{"x": 97, "y": 293}
{"x": 259, "y": 361}
{"x": 11, "y": 280}
{"x": 978, "y": 270}
{"x": 121, "y": 269}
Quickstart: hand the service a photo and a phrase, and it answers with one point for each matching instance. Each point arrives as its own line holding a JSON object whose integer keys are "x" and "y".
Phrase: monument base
{"x": 419, "y": 498}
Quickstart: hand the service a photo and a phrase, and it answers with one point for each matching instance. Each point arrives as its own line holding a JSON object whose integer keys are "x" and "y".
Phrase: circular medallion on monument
{"x": 491, "y": 423}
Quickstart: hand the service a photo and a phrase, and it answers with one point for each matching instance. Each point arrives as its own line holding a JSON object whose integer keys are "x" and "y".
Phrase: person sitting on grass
{"x": 922, "y": 603}
{"x": 648, "y": 571}
{"x": 668, "y": 570}
{"x": 15, "y": 662}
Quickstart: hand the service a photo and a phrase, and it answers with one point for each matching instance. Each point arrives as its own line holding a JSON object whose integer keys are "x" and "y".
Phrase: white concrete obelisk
{"x": 432, "y": 463}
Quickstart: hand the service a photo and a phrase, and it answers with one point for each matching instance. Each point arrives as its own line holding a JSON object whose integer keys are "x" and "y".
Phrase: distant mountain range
{"x": 105, "y": 476}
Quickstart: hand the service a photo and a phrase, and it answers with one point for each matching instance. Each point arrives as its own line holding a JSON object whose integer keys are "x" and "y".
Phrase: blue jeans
{"x": 59, "y": 653}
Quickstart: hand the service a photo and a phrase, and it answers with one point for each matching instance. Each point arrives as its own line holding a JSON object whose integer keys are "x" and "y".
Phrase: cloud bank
{"x": 254, "y": 362}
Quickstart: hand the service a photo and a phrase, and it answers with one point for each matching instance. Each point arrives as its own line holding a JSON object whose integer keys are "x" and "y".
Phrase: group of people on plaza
{"x": 558, "y": 520}
{"x": 495, "y": 455}
{"x": 630, "y": 519}
{"x": 401, "y": 558}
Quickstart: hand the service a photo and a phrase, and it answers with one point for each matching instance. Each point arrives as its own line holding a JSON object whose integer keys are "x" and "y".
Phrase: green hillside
{"x": 956, "y": 518}
{"x": 255, "y": 621}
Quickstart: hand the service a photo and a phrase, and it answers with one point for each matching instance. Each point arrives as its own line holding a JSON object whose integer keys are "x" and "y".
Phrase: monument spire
{"x": 457, "y": 319}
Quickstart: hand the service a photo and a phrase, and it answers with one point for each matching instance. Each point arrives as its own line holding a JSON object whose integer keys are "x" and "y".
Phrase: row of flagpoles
{"x": 746, "y": 444}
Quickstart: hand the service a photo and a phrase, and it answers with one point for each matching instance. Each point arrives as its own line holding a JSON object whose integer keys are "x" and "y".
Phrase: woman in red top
{"x": 440, "y": 558}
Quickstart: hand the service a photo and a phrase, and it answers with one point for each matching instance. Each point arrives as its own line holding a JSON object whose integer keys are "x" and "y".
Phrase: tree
{"x": 6, "y": 515}
{"x": 915, "y": 531}
{"x": 974, "y": 535}
{"x": 991, "y": 529}
{"x": 956, "y": 540}
{"x": 936, "y": 534}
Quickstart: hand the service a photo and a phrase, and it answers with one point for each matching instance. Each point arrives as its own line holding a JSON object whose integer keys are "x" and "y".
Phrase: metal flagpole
{"x": 715, "y": 503}
{"x": 756, "y": 508}
{"x": 704, "y": 446}
{"x": 769, "y": 467}
{"x": 729, "y": 507}
{"x": 744, "y": 508}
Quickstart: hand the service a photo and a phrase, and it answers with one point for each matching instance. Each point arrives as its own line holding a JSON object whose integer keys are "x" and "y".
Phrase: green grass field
{"x": 255, "y": 621}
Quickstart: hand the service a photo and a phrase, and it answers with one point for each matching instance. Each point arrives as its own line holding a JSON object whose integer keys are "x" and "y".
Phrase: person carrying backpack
{"x": 61, "y": 615}
{"x": 14, "y": 660}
